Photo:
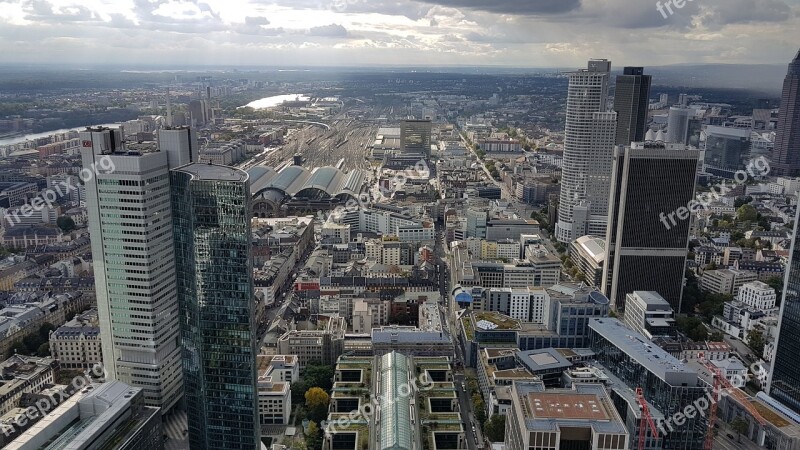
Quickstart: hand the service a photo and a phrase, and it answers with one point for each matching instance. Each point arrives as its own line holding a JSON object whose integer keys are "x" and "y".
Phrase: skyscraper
{"x": 631, "y": 102}
{"x": 786, "y": 154}
{"x": 648, "y": 233}
{"x": 588, "y": 147}
{"x": 415, "y": 136}
{"x": 130, "y": 221}
{"x": 784, "y": 378}
{"x": 212, "y": 213}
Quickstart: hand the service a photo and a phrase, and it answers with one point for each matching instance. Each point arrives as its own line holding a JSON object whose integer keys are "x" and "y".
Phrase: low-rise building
{"x": 588, "y": 253}
{"x": 275, "y": 375}
{"x": 109, "y": 416}
{"x": 23, "y": 374}
{"x": 649, "y": 314}
{"x": 725, "y": 281}
{"x": 560, "y": 419}
{"x": 76, "y": 344}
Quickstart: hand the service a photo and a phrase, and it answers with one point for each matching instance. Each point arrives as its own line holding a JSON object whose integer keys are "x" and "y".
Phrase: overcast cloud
{"x": 519, "y": 33}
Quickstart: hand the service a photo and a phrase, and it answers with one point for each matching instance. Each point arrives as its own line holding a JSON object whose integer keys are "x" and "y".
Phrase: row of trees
{"x": 34, "y": 344}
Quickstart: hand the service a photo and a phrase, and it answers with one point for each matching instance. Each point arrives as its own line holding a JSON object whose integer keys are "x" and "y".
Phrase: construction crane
{"x": 721, "y": 383}
{"x": 646, "y": 420}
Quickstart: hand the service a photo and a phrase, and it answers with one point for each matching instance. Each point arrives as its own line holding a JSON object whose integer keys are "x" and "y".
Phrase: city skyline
{"x": 352, "y": 32}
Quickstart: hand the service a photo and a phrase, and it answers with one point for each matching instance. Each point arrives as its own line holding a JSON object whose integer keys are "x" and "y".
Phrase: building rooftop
{"x": 642, "y": 350}
{"x": 213, "y": 172}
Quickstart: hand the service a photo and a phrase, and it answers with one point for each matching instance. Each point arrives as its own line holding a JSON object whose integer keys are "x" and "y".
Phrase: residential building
{"x": 644, "y": 250}
{"x": 757, "y": 295}
{"x": 649, "y": 314}
{"x": 76, "y": 344}
{"x": 274, "y": 388}
{"x": 588, "y": 146}
{"x": 588, "y": 253}
{"x": 323, "y": 345}
{"x": 130, "y": 220}
{"x": 211, "y": 209}
{"x": 725, "y": 281}
{"x": 24, "y": 374}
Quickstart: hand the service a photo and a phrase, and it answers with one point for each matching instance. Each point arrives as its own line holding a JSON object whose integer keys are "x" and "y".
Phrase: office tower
{"x": 727, "y": 150}
{"x": 678, "y": 124}
{"x": 784, "y": 377}
{"x": 415, "y": 136}
{"x": 786, "y": 155}
{"x": 683, "y": 99}
{"x": 588, "y": 147}
{"x": 131, "y": 233}
{"x": 648, "y": 234}
{"x": 631, "y": 102}
{"x": 180, "y": 144}
{"x": 211, "y": 222}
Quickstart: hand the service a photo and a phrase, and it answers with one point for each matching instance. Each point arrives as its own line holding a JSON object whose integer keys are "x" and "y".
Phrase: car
{"x": 730, "y": 436}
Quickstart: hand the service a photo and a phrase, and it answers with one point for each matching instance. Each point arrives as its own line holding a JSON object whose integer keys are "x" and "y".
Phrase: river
{"x": 276, "y": 100}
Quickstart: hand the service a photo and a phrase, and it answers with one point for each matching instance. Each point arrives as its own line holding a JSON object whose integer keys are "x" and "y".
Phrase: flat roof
{"x": 214, "y": 172}
{"x": 545, "y": 405}
{"x": 645, "y": 352}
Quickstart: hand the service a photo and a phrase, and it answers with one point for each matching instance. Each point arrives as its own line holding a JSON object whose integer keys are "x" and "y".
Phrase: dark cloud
{"x": 332, "y": 30}
{"x": 256, "y": 21}
{"x": 517, "y": 7}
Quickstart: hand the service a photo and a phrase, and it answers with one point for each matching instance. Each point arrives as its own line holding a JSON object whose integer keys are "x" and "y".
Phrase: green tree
{"x": 65, "y": 223}
{"x": 740, "y": 426}
{"x": 43, "y": 350}
{"x": 777, "y": 284}
{"x": 314, "y": 436}
{"x": 317, "y": 404}
{"x": 495, "y": 428}
{"x": 755, "y": 340}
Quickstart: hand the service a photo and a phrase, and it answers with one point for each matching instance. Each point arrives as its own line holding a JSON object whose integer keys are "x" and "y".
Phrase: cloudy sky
{"x": 518, "y": 33}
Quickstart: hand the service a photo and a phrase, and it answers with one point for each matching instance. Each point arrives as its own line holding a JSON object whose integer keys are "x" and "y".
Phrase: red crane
{"x": 721, "y": 383}
{"x": 646, "y": 421}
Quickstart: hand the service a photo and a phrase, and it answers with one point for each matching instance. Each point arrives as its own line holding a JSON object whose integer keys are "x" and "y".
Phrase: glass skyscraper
{"x": 211, "y": 218}
{"x": 784, "y": 382}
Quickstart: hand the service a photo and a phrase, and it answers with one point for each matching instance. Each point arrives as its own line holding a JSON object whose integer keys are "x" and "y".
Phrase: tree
{"x": 740, "y": 426}
{"x": 317, "y": 404}
{"x": 495, "y": 428}
{"x": 717, "y": 336}
{"x": 44, "y": 349}
{"x": 313, "y": 437}
{"x": 755, "y": 340}
{"x": 741, "y": 201}
{"x": 777, "y": 284}
{"x": 65, "y": 223}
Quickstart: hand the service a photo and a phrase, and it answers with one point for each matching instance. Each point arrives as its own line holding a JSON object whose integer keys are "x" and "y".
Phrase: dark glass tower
{"x": 784, "y": 382}
{"x": 648, "y": 234}
{"x": 786, "y": 154}
{"x": 211, "y": 222}
{"x": 631, "y": 103}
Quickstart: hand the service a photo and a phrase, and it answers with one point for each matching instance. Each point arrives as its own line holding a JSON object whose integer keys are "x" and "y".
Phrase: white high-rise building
{"x": 588, "y": 152}
{"x": 130, "y": 220}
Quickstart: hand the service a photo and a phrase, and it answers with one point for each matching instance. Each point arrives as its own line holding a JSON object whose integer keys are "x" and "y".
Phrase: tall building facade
{"x": 213, "y": 254}
{"x": 130, "y": 221}
{"x": 631, "y": 102}
{"x": 648, "y": 234}
{"x": 588, "y": 148}
{"x": 786, "y": 154}
{"x": 728, "y": 149}
{"x": 415, "y": 136}
{"x": 784, "y": 378}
